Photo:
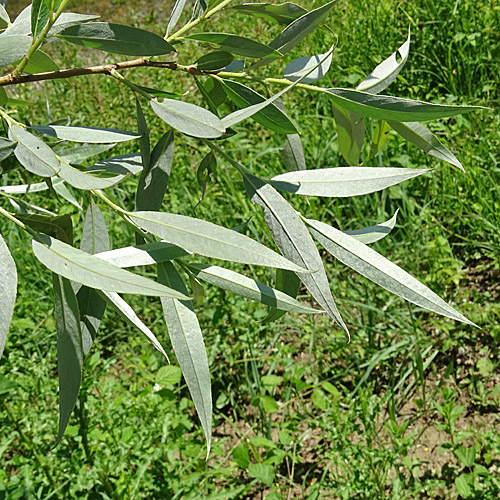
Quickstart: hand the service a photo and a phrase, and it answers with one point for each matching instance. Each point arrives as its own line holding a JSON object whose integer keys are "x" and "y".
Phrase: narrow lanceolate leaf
{"x": 61, "y": 189}
{"x": 204, "y": 238}
{"x": 87, "y": 134}
{"x": 302, "y": 67}
{"x": 143, "y": 131}
{"x": 292, "y": 153}
{"x": 28, "y": 188}
{"x": 8, "y": 290}
{"x": 236, "y": 44}
{"x": 214, "y": 60}
{"x": 60, "y": 227}
{"x": 13, "y": 48}
{"x": 79, "y": 154}
{"x": 39, "y": 17}
{"x": 386, "y": 107}
{"x": 117, "y": 39}
{"x": 188, "y": 118}
{"x": 270, "y": 117}
{"x": 283, "y": 13}
{"x": 126, "y": 312}
{"x": 142, "y": 255}
{"x": 175, "y": 15}
{"x": 425, "y": 140}
{"x": 4, "y": 17}
{"x": 378, "y": 269}
{"x": 79, "y": 266}
{"x": 187, "y": 342}
{"x": 294, "y": 241}
{"x": 153, "y": 183}
{"x": 69, "y": 349}
{"x": 343, "y": 181}
{"x": 95, "y": 239}
{"x": 387, "y": 71}
{"x": 33, "y": 154}
{"x": 295, "y": 32}
{"x": 67, "y": 19}
{"x": 83, "y": 180}
{"x": 286, "y": 282}
{"x": 351, "y": 133}
{"x": 129, "y": 164}
{"x": 380, "y": 137}
{"x": 372, "y": 234}
{"x": 249, "y": 288}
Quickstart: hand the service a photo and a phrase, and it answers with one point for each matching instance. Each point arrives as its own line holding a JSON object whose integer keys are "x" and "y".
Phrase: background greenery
{"x": 408, "y": 409}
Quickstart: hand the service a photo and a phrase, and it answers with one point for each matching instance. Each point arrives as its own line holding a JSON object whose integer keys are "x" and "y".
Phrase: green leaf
{"x": 372, "y": 234}
{"x": 95, "y": 239}
{"x": 153, "y": 182}
{"x": 188, "y": 118}
{"x": 129, "y": 164}
{"x": 6, "y": 148}
{"x": 61, "y": 189}
{"x": 214, "y": 61}
{"x": 40, "y": 62}
{"x": 295, "y": 32}
{"x": 378, "y": 269}
{"x": 463, "y": 485}
{"x": 142, "y": 255}
{"x": 28, "y": 188}
{"x": 246, "y": 287}
{"x": 283, "y": 13}
{"x": 90, "y": 271}
{"x": 67, "y": 19}
{"x": 129, "y": 315}
{"x": 380, "y": 137}
{"x": 175, "y": 15}
{"x": 206, "y": 94}
{"x": 292, "y": 153}
{"x": 143, "y": 131}
{"x": 343, "y": 181}
{"x": 79, "y": 154}
{"x": 387, "y": 71}
{"x": 92, "y": 135}
{"x": 69, "y": 349}
{"x": 60, "y": 227}
{"x": 8, "y": 290}
{"x": 187, "y": 342}
{"x": 485, "y": 366}
{"x": 168, "y": 375}
{"x": 204, "y": 238}
{"x": 311, "y": 68}
{"x": 13, "y": 48}
{"x": 236, "y": 44}
{"x": 351, "y": 133}
{"x": 394, "y": 108}
{"x": 294, "y": 241}
{"x": 241, "y": 456}
{"x": 270, "y": 116}
{"x": 466, "y": 455}
{"x": 39, "y": 17}
{"x": 4, "y": 17}
{"x": 117, "y": 39}
{"x": 425, "y": 140}
{"x": 269, "y": 404}
{"x": 271, "y": 380}
{"x": 262, "y": 472}
{"x": 287, "y": 282}
{"x": 33, "y": 154}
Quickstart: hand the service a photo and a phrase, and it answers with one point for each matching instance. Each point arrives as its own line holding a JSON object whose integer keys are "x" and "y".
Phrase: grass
{"x": 408, "y": 409}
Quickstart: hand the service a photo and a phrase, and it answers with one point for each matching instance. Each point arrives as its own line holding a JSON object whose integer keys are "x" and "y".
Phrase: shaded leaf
{"x": 249, "y": 288}
{"x": 13, "y": 48}
{"x": 287, "y": 282}
{"x": 61, "y": 189}
{"x": 187, "y": 342}
{"x": 236, "y": 44}
{"x": 351, "y": 133}
{"x": 8, "y": 290}
{"x": 4, "y": 17}
{"x": 143, "y": 131}
{"x": 394, "y": 108}
{"x": 343, "y": 181}
{"x": 293, "y": 153}
{"x": 40, "y": 62}
{"x": 214, "y": 60}
{"x": 283, "y": 13}
{"x": 60, "y": 227}
{"x": 90, "y": 271}
{"x": 69, "y": 349}
{"x": 311, "y": 68}
{"x": 270, "y": 116}
{"x": 378, "y": 269}
{"x": 39, "y": 17}
{"x": 425, "y": 140}
{"x": 33, "y": 154}
{"x": 204, "y": 238}
{"x": 387, "y": 71}
{"x": 116, "y": 38}
{"x": 67, "y": 19}
{"x": 188, "y": 118}
{"x": 380, "y": 137}
{"x": 129, "y": 164}
{"x": 87, "y": 134}
{"x": 372, "y": 234}
{"x": 292, "y": 238}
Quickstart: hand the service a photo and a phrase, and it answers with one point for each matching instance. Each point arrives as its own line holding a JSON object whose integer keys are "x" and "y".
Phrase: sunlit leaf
{"x": 283, "y": 13}
{"x": 175, "y": 14}
{"x": 292, "y": 153}
{"x": 67, "y": 19}
{"x": 343, "y": 181}
{"x": 39, "y": 17}
{"x": 86, "y": 134}
{"x": 13, "y": 48}
{"x": 312, "y": 68}
{"x": 372, "y": 234}
{"x": 8, "y": 290}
